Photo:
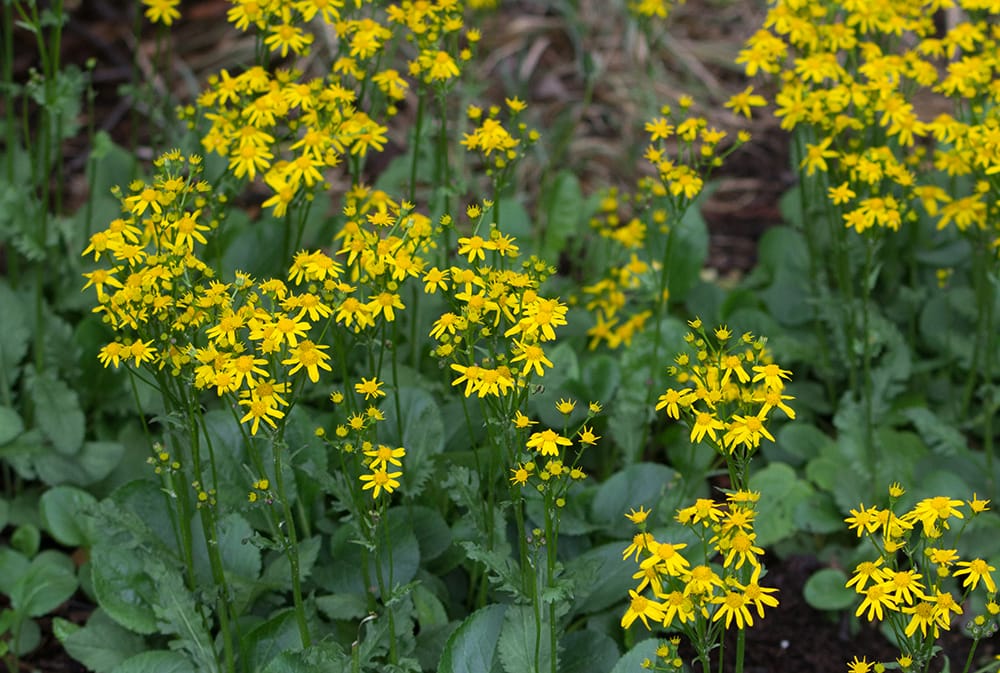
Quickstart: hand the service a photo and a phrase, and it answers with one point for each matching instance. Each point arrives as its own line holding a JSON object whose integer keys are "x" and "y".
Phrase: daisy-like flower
{"x": 309, "y": 356}
{"x": 382, "y": 456}
{"x": 547, "y": 442}
{"x": 369, "y": 388}
{"x": 380, "y": 480}
{"x": 976, "y": 570}
{"x": 162, "y": 11}
{"x": 642, "y": 608}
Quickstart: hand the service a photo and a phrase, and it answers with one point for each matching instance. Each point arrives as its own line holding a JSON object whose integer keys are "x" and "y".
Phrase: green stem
{"x": 291, "y": 543}
{"x": 867, "y": 361}
{"x": 659, "y": 305}
{"x": 418, "y": 127}
{"x": 741, "y": 642}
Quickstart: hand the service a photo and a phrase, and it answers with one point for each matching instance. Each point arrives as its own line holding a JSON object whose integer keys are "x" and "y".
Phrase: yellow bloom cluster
{"x": 727, "y": 388}
{"x": 493, "y": 309}
{"x": 851, "y": 75}
{"x": 559, "y": 469}
{"x": 682, "y": 151}
{"x": 290, "y": 127}
{"x": 690, "y": 591}
{"x": 246, "y": 339}
{"x": 912, "y": 581}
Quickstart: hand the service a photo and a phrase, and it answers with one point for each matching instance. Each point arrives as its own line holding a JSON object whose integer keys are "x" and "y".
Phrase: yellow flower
{"x": 380, "y": 480}
{"x": 638, "y": 516}
{"x": 369, "y": 388}
{"x": 741, "y": 103}
{"x": 733, "y": 606}
{"x": 310, "y": 356}
{"x": 977, "y": 569}
{"x": 384, "y": 455}
{"x": 565, "y": 406}
{"x": 521, "y": 421}
{"x": 162, "y": 11}
{"x": 547, "y": 442}
{"x": 642, "y": 608}
{"x": 587, "y": 436}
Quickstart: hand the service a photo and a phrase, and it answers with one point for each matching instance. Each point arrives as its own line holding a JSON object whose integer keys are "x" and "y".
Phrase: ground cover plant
{"x": 366, "y": 374}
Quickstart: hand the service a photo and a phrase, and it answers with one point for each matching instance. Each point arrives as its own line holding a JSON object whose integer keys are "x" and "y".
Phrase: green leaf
{"x": 423, "y": 436}
{"x": 782, "y": 493}
{"x": 942, "y": 438}
{"x": 428, "y": 609}
{"x": 432, "y": 531}
{"x": 58, "y": 413}
{"x": 825, "y": 590}
{"x": 47, "y": 584}
{"x": 601, "y": 375}
{"x": 102, "y": 644}
{"x": 65, "y": 515}
{"x": 266, "y": 641}
{"x": 13, "y": 566}
{"x": 11, "y": 424}
{"x": 30, "y": 638}
{"x": 93, "y": 463}
{"x": 325, "y": 656}
{"x": 564, "y": 210}
{"x": 587, "y": 651}
{"x": 471, "y": 647}
{"x": 519, "y": 640}
{"x": 637, "y": 485}
{"x": 26, "y": 538}
{"x": 15, "y": 335}
{"x": 600, "y": 579}
{"x": 404, "y": 556}
{"x": 343, "y": 606}
{"x": 688, "y": 252}
{"x": 161, "y": 661}
{"x": 797, "y": 444}
{"x": 123, "y": 587}
{"x": 278, "y": 571}
{"x": 631, "y": 661}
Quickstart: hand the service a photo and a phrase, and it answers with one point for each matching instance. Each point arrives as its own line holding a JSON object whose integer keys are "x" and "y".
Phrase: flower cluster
{"x": 918, "y": 582}
{"x": 634, "y": 228}
{"x": 727, "y": 388}
{"x": 547, "y": 462}
{"x": 245, "y": 340}
{"x": 851, "y": 77}
{"x": 699, "y": 589}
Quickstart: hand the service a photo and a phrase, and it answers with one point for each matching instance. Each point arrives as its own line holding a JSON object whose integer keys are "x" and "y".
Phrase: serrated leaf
{"x": 521, "y": 647}
{"x": 942, "y": 438}
{"x": 826, "y": 590}
{"x": 325, "y": 656}
{"x": 471, "y": 648}
{"x": 58, "y": 413}
{"x": 64, "y": 511}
